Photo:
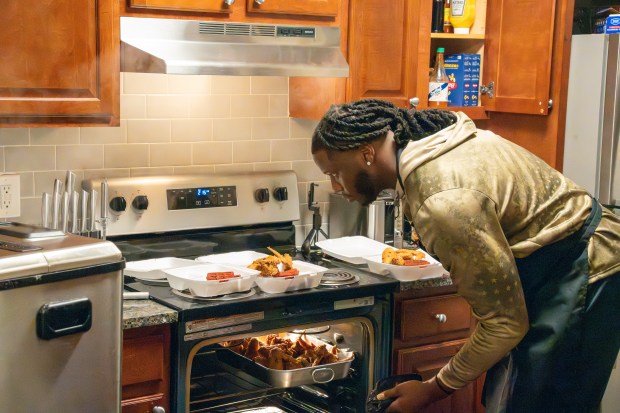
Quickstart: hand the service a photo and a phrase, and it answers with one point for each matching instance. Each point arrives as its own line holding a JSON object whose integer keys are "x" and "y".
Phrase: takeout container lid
{"x": 153, "y": 269}
{"x": 309, "y": 276}
{"x": 352, "y": 249}
{"x": 194, "y": 279}
{"x": 237, "y": 259}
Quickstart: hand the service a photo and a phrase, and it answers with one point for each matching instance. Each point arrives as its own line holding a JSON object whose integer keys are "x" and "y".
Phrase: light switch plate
{"x": 9, "y": 196}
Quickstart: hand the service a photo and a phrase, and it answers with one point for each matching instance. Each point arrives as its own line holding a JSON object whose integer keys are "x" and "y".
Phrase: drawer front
{"x": 143, "y": 404}
{"x": 427, "y": 360}
{"x": 447, "y": 317}
{"x": 143, "y": 359}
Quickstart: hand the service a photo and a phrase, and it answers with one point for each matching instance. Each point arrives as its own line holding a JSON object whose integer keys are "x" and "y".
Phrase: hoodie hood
{"x": 419, "y": 152}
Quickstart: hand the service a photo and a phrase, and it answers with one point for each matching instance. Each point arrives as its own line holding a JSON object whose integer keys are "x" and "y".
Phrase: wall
{"x": 173, "y": 125}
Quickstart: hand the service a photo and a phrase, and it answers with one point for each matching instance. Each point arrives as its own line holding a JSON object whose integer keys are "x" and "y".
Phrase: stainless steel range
{"x": 191, "y": 216}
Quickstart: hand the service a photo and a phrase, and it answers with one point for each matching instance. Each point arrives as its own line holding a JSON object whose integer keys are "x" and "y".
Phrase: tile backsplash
{"x": 173, "y": 124}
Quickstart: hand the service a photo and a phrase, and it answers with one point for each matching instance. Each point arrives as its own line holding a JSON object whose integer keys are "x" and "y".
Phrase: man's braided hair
{"x": 348, "y": 126}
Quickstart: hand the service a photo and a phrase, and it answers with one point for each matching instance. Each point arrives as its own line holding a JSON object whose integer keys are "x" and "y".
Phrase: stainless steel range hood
{"x": 192, "y": 47}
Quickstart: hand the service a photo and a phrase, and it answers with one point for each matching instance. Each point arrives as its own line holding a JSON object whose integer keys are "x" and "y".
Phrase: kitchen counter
{"x": 425, "y": 283}
{"x": 143, "y": 313}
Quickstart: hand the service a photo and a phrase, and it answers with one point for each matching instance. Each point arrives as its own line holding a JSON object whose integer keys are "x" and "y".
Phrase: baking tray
{"x": 323, "y": 373}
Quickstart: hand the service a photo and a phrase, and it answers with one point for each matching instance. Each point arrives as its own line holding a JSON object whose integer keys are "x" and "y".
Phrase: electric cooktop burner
{"x": 336, "y": 278}
{"x": 225, "y": 297}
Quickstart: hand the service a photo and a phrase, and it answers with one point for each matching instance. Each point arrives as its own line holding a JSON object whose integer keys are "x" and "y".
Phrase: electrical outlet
{"x": 9, "y": 196}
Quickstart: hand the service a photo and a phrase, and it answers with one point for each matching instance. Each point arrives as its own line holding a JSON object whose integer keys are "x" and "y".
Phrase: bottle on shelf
{"x": 438, "y": 13}
{"x": 438, "y": 83}
{"x": 447, "y": 25}
{"x": 462, "y": 15}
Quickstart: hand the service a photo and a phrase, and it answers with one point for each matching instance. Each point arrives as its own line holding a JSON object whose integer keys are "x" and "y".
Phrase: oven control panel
{"x": 205, "y": 197}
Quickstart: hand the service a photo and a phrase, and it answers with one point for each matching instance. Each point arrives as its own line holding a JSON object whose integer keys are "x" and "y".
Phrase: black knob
{"x": 280, "y": 193}
{"x": 262, "y": 195}
{"x": 118, "y": 204}
{"x": 141, "y": 202}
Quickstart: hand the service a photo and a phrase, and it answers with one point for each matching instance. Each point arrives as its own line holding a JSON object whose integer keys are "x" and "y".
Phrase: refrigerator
{"x": 591, "y": 138}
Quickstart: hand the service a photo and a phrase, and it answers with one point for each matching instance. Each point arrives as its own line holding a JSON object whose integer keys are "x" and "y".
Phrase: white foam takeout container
{"x": 404, "y": 272}
{"x": 194, "y": 279}
{"x": 237, "y": 259}
{"x": 309, "y": 276}
{"x": 153, "y": 269}
{"x": 352, "y": 249}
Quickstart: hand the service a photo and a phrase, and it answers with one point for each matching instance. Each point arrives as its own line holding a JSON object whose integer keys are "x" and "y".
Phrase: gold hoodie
{"x": 477, "y": 201}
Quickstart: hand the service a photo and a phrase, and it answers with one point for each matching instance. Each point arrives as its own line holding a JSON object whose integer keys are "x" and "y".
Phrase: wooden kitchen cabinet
{"x": 430, "y": 327}
{"x": 146, "y": 369}
{"x": 305, "y": 7}
{"x": 60, "y": 63}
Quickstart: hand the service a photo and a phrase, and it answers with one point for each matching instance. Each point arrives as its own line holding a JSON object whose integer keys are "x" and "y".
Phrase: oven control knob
{"x": 141, "y": 203}
{"x": 262, "y": 195}
{"x": 118, "y": 204}
{"x": 280, "y": 193}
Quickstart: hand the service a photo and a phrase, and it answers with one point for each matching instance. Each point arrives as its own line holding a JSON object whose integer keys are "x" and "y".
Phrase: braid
{"x": 348, "y": 126}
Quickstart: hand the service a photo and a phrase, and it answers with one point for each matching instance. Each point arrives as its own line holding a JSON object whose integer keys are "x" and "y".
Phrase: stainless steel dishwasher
{"x": 61, "y": 322}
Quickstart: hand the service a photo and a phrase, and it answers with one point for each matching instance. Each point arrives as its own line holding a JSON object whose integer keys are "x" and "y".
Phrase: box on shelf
{"x": 463, "y": 72}
{"x": 610, "y": 24}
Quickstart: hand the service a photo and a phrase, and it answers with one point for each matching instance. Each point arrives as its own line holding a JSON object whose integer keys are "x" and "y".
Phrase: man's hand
{"x": 412, "y": 396}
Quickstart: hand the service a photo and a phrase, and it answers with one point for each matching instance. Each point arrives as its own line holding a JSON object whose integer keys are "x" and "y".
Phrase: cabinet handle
{"x": 259, "y": 2}
{"x": 159, "y": 409}
{"x": 441, "y": 318}
{"x": 229, "y": 2}
{"x": 414, "y": 101}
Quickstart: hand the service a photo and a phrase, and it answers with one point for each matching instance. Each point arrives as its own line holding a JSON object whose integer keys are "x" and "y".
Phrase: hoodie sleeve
{"x": 462, "y": 229}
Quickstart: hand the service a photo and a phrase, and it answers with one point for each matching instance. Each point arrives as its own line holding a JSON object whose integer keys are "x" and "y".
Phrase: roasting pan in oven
{"x": 323, "y": 373}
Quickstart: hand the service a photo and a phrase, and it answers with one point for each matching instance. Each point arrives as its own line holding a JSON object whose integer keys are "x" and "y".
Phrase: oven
{"x": 191, "y": 216}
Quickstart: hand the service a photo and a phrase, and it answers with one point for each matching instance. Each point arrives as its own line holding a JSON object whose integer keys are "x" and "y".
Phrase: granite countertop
{"x": 425, "y": 283}
{"x": 143, "y": 313}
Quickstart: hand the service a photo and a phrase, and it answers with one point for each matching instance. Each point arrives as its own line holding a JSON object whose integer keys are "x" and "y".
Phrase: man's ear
{"x": 368, "y": 153}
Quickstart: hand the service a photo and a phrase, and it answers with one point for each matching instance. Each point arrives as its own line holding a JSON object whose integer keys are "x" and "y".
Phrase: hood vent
{"x": 217, "y": 48}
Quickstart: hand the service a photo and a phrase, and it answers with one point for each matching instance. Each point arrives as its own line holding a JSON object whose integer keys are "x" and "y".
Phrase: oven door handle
{"x": 323, "y": 375}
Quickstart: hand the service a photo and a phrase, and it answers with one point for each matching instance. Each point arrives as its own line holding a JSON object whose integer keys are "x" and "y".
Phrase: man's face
{"x": 349, "y": 174}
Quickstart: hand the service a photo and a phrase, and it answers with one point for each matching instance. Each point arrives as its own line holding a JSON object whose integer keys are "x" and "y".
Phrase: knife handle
{"x": 45, "y": 209}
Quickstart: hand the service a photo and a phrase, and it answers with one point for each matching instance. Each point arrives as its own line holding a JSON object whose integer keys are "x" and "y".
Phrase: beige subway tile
{"x": 54, "y": 136}
{"x": 14, "y": 136}
{"x": 269, "y": 85}
{"x": 44, "y": 180}
{"x": 70, "y": 157}
{"x": 232, "y": 129}
{"x": 171, "y": 154}
{"x": 192, "y": 130}
{"x": 104, "y": 134}
{"x": 106, "y": 173}
{"x": 302, "y": 128}
{"x": 193, "y": 170}
{"x": 289, "y": 150}
{"x": 245, "y": 106}
{"x": 148, "y": 131}
{"x": 26, "y": 184}
{"x": 2, "y": 160}
{"x": 278, "y": 105}
{"x": 209, "y": 106}
{"x": 307, "y": 171}
{"x": 133, "y": 106}
{"x": 30, "y": 211}
{"x": 135, "y": 172}
{"x": 250, "y": 151}
{"x": 167, "y": 106}
{"x": 143, "y": 83}
{"x": 302, "y": 190}
{"x": 270, "y": 128}
{"x": 29, "y": 158}
{"x": 211, "y": 153}
{"x": 230, "y": 85}
{"x": 272, "y": 166}
{"x": 189, "y": 85}
{"x": 233, "y": 168}
{"x": 125, "y": 156}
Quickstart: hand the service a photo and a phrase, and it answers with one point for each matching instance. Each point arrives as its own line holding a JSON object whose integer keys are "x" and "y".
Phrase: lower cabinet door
{"x": 427, "y": 361}
{"x": 144, "y": 404}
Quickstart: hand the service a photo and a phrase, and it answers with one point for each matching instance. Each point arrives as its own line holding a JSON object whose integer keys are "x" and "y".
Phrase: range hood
{"x": 192, "y": 47}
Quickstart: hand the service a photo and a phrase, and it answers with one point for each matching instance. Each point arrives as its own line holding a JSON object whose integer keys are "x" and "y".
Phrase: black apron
{"x": 541, "y": 368}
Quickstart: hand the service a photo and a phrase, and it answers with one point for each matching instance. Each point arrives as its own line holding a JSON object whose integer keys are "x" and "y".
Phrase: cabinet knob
{"x": 259, "y": 2}
{"x": 229, "y": 2}
{"x": 441, "y": 318}
{"x": 414, "y": 101}
{"x": 159, "y": 409}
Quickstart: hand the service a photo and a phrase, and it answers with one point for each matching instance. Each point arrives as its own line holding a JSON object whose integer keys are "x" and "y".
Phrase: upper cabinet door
{"x": 60, "y": 63}
{"x": 328, "y": 8}
{"x": 385, "y": 50}
{"x": 209, "y": 6}
{"x": 518, "y": 51}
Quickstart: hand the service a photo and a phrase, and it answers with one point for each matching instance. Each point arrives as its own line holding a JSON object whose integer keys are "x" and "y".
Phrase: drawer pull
{"x": 441, "y": 318}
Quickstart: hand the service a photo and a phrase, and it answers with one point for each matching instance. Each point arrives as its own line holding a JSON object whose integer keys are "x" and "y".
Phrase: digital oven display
{"x": 204, "y": 197}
